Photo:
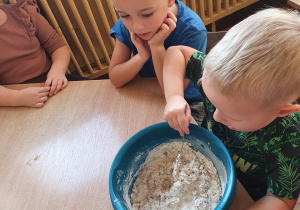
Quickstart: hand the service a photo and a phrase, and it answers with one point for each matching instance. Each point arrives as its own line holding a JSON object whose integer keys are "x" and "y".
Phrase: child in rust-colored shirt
{"x": 30, "y": 47}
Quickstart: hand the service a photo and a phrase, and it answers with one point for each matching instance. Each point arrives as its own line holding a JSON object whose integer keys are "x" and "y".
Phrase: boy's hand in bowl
{"x": 175, "y": 114}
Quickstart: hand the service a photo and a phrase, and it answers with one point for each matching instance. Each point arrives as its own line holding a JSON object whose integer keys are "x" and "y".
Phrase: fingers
{"x": 44, "y": 90}
{"x": 142, "y": 46}
{"x": 53, "y": 88}
{"x": 172, "y": 16}
{"x": 33, "y": 96}
{"x": 173, "y": 124}
{"x": 135, "y": 39}
{"x": 56, "y": 85}
{"x": 40, "y": 102}
{"x": 183, "y": 123}
{"x": 179, "y": 120}
{"x": 168, "y": 25}
{"x": 43, "y": 99}
{"x": 188, "y": 114}
{"x": 180, "y": 124}
{"x": 132, "y": 36}
{"x": 171, "y": 21}
{"x": 65, "y": 83}
{"x": 48, "y": 82}
{"x": 39, "y": 105}
{"x": 176, "y": 126}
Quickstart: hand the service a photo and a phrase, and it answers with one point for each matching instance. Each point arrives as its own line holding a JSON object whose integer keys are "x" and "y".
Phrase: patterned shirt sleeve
{"x": 194, "y": 67}
{"x": 282, "y": 149}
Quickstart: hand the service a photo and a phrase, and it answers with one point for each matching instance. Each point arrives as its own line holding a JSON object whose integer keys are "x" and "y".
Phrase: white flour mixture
{"x": 192, "y": 183}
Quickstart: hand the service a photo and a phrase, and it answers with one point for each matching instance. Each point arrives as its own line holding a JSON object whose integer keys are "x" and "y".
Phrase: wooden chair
{"x": 84, "y": 26}
{"x": 212, "y": 10}
{"x": 213, "y": 38}
{"x": 294, "y": 3}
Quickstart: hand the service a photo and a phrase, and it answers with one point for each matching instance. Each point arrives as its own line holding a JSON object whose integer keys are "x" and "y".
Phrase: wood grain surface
{"x": 59, "y": 156}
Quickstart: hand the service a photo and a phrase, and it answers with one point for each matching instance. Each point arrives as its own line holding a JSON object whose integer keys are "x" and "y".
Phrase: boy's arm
{"x": 123, "y": 68}
{"x": 56, "y": 77}
{"x": 158, "y": 54}
{"x": 273, "y": 202}
{"x": 173, "y": 79}
{"x": 157, "y": 47}
{"x": 174, "y": 70}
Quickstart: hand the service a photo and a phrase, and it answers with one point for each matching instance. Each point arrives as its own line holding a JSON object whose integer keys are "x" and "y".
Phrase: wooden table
{"x": 59, "y": 156}
{"x": 294, "y": 3}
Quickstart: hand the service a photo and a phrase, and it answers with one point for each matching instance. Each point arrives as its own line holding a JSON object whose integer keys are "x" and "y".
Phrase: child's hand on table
{"x": 33, "y": 96}
{"x": 175, "y": 116}
{"x": 56, "y": 82}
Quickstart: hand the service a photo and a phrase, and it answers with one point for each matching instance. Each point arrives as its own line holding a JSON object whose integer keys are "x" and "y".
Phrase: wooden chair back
{"x": 213, "y": 38}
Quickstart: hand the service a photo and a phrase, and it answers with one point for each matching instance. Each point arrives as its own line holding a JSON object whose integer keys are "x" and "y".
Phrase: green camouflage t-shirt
{"x": 270, "y": 155}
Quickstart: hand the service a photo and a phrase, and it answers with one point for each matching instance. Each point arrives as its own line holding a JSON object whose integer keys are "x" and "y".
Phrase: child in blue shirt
{"x": 147, "y": 29}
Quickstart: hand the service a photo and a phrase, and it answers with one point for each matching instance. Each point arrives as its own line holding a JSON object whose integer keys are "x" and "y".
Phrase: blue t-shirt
{"x": 190, "y": 31}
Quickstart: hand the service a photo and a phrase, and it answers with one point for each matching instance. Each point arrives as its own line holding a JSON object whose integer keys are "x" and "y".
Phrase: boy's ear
{"x": 171, "y": 3}
{"x": 288, "y": 109}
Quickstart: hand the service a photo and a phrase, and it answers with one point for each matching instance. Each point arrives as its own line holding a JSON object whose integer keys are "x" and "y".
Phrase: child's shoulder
{"x": 188, "y": 17}
{"x": 283, "y": 129}
{"x": 196, "y": 60}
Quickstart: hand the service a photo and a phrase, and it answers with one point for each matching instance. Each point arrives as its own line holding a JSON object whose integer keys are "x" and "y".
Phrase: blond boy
{"x": 250, "y": 82}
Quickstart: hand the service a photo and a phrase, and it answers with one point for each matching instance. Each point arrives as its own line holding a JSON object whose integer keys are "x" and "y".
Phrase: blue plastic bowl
{"x": 133, "y": 153}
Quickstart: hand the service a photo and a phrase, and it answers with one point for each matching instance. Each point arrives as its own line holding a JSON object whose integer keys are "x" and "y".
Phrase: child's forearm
{"x": 175, "y": 63}
{"x": 8, "y": 97}
{"x": 123, "y": 73}
{"x": 174, "y": 70}
{"x": 158, "y": 55}
{"x": 60, "y": 60}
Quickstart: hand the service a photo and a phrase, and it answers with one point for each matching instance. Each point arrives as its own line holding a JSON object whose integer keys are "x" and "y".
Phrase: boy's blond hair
{"x": 259, "y": 58}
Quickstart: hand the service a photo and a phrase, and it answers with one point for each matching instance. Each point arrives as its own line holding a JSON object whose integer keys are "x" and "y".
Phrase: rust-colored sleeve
{"x": 48, "y": 37}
